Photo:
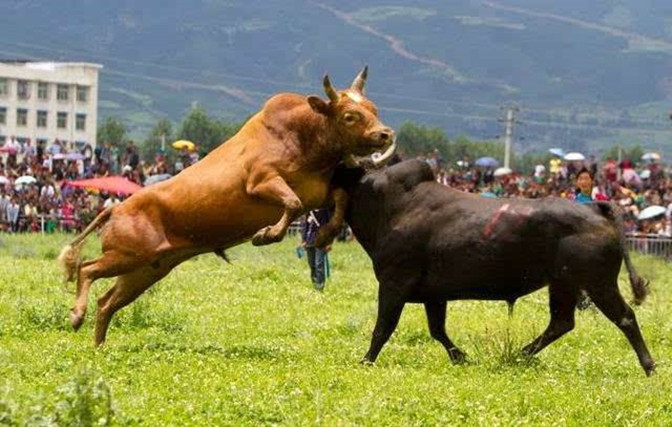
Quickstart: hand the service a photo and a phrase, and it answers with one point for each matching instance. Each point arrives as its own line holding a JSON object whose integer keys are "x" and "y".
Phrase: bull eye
{"x": 350, "y": 117}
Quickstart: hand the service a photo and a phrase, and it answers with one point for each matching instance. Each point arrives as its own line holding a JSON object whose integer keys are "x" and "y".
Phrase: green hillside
{"x": 585, "y": 74}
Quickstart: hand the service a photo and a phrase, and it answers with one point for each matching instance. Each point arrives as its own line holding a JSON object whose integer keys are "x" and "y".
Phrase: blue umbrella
{"x": 153, "y": 179}
{"x": 557, "y": 152}
{"x": 487, "y": 162}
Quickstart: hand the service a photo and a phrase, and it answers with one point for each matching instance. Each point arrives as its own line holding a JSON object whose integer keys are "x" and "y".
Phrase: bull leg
{"x": 436, "y": 318}
{"x": 610, "y": 302}
{"x": 390, "y": 306}
{"x": 327, "y": 233}
{"x": 563, "y": 304}
{"x": 127, "y": 288}
{"x": 109, "y": 264}
{"x": 276, "y": 190}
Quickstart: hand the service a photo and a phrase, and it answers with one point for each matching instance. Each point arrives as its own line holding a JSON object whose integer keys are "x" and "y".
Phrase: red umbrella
{"x": 114, "y": 184}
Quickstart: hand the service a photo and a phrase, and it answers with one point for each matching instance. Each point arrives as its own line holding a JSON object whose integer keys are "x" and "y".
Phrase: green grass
{"x": 252, "y": 343}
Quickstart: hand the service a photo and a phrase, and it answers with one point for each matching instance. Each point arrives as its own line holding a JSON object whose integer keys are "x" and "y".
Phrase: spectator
{"x": 317, "y": 259}
{"x": 12, "y": 213}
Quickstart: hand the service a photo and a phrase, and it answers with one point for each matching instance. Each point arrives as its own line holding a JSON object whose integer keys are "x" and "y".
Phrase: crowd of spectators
{"x": 34, "y": 195}
{"x": 632, "y": 186}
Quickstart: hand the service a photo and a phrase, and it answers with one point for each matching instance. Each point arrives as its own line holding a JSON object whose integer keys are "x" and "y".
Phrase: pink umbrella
{"x": 114, "y": 184}
{"x": 630, "y": 176}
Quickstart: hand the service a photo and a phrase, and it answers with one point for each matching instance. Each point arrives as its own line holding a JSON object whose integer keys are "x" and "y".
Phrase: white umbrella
{"x": 26, "y": 179}
{"x": 651, "y": 212}
{"x": 652, "y": 157}
{"x": 645, "y": 174}
{"x": 3, "y": 179}
{"x": 557, "y": 152}
{"x": 502, "y": 171}
{"x": 574, "y": 156}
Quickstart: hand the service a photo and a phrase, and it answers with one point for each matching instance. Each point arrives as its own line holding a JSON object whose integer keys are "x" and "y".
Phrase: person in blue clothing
{"x": 317, "y": 258}
{"x": 584, "y": 184}
{"x": 584, "y": 194}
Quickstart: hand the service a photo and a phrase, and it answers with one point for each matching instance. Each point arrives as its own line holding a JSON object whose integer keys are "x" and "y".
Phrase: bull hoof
{"x": 457, "y": 356}
{"x": 325, "y": 237}
{"x": 76, "y": 320}
{"x": 262, "y": 237}
{"x": 650, "y": 368}
{"x": 366, "y": 362}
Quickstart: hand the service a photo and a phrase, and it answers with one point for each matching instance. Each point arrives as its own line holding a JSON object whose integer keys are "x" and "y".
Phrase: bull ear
{"x": 319, "y": 105}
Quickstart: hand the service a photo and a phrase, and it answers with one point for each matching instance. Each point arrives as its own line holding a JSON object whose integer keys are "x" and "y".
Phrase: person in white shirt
{"x": 111, "y": 201}
{"x": 48, "y": 191}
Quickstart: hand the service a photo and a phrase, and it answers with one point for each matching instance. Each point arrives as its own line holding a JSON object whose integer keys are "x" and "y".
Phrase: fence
{"x": 650, "y": 244}
{"x": 43, "y": 223}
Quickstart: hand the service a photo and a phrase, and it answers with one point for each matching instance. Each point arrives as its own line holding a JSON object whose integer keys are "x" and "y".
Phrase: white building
{"x": 43, "y": 101}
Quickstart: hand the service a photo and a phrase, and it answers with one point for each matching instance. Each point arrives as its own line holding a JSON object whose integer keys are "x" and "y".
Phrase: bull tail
{"x": 640, "y": 287}
{"x": 69, "y": 256}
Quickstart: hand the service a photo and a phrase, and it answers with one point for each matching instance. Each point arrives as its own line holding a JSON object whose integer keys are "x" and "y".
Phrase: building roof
{"x": 47, "y": 65}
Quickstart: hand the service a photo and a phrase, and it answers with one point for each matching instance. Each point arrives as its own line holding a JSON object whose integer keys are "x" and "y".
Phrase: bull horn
{"x": 360, "y": 80}
{"x": 383, "y": 158}
{"x": 376, "y": 160}
{"x": 329, "y": 89}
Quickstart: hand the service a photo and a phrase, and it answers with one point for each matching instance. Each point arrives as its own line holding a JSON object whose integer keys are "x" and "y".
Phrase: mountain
{"x": 584, "y": 74}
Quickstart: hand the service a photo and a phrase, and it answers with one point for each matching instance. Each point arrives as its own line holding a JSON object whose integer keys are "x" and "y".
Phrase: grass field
{"x": 252, "y": 343}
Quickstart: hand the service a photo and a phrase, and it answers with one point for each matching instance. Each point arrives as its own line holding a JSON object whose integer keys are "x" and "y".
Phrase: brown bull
{"x": 274, "y": 169}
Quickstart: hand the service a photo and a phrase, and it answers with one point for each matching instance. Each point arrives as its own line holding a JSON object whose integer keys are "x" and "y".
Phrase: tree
{"x": 205, "y": 132}
{"x": 417, "y": 140}
{"x": 113, "y": 131}
{"x": 163, "y": 130}
{"x": 633, "y": 153}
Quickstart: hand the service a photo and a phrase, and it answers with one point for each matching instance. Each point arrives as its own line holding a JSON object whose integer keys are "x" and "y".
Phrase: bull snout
{"x": 382, "y": 135}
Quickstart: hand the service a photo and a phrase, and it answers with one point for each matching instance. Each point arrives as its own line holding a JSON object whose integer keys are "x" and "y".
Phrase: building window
{"x": 4, "y": 87}
{"x": 43, "y": 90}
{"x": 3, "y": 116}
{"x": 62, "y": 92}
{"x": 23, "y": 89}
{"x": 41, "y": 119}
{"x": 3, "y": 139}
{"x": 62, "y": 120}
{"x": 80, "y": 123}
{"x": 21, "y": 117}
{"x": 82, "y": 93}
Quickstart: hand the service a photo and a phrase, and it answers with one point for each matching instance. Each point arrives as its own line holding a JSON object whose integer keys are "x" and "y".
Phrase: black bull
{"x": 430, "y": 244}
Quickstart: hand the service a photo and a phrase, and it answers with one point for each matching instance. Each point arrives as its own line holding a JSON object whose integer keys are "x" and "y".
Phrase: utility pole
{"x": 509, "y": 121}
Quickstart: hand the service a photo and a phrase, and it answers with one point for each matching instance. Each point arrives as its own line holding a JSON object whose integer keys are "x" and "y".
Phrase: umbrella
{"x": 574, "y": 156}
{"x": 26, "y": 179}
{"x": 153, "y": 179}
{"x": 75, "y": 156}
{"x": 502, "y": 171}
{"x": 645, "y": 174}
{"x": 630, "y": 175}
{"x": 488, "y": 195}
{"x": 651, "y": 157}
{"x": 557, "y": 152}
{"x": 3, "y": 179}
{"x": 651, "y": 212}
{"x": 114, "y": 184}
{"x": 6, "y": 149}
{"x": 487, "y": 162}
{"x": 183, "y": 143}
